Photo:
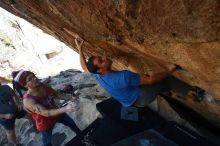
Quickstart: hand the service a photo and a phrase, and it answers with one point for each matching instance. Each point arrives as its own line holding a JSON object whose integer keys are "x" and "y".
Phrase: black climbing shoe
{"x": 178, "y": 67}
{"x": 198, "y": 93}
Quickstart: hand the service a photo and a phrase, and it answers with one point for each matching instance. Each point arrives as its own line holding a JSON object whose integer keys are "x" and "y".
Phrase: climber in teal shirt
{"x": 10, "y": 110}
{"x": 122, "y": 85}
{"x": 129, "y": 88}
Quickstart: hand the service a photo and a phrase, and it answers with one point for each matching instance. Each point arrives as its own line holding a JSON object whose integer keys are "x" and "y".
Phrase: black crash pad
{"x": 111, "y": 128}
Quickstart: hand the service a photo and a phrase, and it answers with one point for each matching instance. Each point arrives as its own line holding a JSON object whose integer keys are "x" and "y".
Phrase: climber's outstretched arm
{"x": 151, "y": 79}
{"x": 79, "y": 43}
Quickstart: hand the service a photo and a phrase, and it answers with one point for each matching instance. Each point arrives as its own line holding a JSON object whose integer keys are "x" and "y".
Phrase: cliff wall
{"x": 140, "y": 35}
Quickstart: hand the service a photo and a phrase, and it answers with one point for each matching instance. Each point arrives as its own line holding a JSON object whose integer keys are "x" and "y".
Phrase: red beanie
{"x": 21, "y": 77}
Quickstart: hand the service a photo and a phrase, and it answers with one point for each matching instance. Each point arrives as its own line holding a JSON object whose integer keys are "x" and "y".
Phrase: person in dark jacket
{"x": 134, "y": 89}
{"x": 10, "y": 110}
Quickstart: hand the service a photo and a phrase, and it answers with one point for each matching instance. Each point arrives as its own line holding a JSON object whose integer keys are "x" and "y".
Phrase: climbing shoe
{"x": 178, "y": 67}
{"x": 198, "y": 93}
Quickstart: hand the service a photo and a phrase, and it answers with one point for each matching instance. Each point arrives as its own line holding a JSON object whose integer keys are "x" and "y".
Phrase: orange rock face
{"x": 139, "y": 35}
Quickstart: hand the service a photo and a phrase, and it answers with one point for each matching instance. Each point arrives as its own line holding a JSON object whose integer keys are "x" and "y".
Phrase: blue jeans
{"x": 64, "y": 119}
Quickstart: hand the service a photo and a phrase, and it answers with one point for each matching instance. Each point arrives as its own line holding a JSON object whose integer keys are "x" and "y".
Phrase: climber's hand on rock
{"x": 171, "y": 68}
{"x": 79, "y": 41}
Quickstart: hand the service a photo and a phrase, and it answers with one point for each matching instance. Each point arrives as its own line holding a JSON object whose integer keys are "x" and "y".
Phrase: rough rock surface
{"x": 182, "y": 32}
{"x": 141, "y": 35}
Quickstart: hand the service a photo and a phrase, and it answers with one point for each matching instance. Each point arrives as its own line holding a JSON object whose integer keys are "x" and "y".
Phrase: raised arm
{"x": 151, "y": 79}
{"x": 79, "y": 43}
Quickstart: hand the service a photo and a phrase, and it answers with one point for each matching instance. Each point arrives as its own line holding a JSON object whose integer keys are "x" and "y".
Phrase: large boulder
{"x": 141, "y": 35}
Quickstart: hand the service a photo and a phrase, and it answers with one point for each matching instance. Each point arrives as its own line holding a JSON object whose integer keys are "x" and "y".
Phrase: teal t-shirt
{"x": 121, "y": 85}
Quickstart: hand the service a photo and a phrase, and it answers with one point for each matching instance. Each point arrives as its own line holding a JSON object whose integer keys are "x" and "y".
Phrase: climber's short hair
{"x": 90, "y": 65}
